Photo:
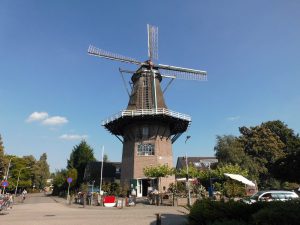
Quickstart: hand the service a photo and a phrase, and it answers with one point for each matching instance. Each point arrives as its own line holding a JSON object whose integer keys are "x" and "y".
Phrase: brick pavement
{"x": 54, "y": 211}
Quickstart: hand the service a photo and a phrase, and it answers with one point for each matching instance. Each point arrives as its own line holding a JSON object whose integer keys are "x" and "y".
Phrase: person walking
{"x": 24, "y": 194}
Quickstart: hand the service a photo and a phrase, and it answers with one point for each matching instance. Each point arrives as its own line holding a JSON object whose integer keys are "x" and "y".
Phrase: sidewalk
{"x": 169, "y": 214}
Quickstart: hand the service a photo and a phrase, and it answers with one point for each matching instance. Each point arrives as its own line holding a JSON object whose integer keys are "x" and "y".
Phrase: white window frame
{"x": 146, "y": 149}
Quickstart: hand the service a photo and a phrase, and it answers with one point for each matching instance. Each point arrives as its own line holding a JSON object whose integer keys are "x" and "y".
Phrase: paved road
{"x": 41, "y": 210}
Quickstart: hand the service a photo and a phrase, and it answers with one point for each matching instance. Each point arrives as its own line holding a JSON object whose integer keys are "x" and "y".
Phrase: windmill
{"x": 147, "y": 128}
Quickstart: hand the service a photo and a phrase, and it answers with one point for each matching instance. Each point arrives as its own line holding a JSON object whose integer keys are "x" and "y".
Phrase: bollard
{"x": 158, "y": 219}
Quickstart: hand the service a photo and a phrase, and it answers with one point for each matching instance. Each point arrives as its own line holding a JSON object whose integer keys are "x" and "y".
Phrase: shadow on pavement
{"x": 171, "y": 219}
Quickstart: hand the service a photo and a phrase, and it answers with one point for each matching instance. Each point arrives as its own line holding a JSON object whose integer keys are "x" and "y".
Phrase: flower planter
{"x": 109, "y": 201}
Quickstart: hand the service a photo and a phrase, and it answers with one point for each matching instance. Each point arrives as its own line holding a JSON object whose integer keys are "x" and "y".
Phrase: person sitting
{"x": 267, "y": 197}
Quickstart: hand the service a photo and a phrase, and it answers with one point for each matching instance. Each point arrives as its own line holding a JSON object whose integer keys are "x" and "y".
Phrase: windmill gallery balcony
{"x": 179, "y": 122}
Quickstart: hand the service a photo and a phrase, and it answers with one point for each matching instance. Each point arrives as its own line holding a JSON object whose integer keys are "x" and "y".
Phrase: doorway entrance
{"x": 146, "y": 183}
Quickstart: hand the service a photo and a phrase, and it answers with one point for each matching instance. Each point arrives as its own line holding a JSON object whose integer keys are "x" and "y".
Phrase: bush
{"x": 279, "y": 213}
{"x": 229, "y": 222}
{"x": 207, "y": 212}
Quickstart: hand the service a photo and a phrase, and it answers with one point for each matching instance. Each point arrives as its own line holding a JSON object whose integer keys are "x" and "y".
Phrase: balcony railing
{"x": 147, "y": 112}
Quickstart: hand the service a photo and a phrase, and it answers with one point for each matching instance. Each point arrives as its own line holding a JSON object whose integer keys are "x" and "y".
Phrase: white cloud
{"x": 55, "y": 120}
{"x": 233, "y": 118}
{"x": 37, "y": 116}
{"x": 72, "y": 137}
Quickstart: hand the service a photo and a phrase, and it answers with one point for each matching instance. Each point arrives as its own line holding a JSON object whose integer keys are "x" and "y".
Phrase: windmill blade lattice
{"x": 112, "y": 56}
{"x": 182, "y": 73}
{"x": 152, "y": 42}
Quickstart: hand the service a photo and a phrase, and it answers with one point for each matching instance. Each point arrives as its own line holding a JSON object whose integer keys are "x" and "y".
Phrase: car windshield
{"x": 256, "y": 195}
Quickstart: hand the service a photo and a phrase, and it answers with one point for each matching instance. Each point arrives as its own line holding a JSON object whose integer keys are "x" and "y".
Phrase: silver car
{"x": 268, "y": 196}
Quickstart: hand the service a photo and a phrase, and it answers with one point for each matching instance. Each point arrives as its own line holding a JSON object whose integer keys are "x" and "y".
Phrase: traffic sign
{"x": 4, "y": 183}
{"x": 69, "y": 180}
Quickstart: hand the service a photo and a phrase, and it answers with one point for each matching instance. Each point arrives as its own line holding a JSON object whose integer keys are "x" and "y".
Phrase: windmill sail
{"x": 112, "y": 56}
{"x": 152, "y": 42}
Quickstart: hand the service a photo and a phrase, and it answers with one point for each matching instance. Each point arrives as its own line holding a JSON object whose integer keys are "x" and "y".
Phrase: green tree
{"x": 60, "y": 184}
{"x": 192, "y": 172}
{"x": 72, "y": 173}
{"x": 158, "y": 172}
{"x": 229, "y": 168}
{"x": 229, "y": 187}
{"x": 262, "y": 144}
{"x": 42, "y": 172}
{"x": 286, "y": 135}
{"x": 268, "y": 151}
{"x": 231, "y": 150}
{"x": 286, "y": 169}
{"x": 21, "y": 167}
{"x": 264, "y": 147}
{"x": 80, "y": 156}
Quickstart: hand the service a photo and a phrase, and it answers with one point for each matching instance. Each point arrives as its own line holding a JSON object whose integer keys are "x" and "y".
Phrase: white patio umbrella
{"x": 240, "y": 178}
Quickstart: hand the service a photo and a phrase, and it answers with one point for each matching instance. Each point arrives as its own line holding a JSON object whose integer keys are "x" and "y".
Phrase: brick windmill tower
{"x": 147, "y": 128}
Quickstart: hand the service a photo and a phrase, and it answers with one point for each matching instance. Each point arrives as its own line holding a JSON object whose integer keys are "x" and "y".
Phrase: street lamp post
{"x": 19, "y": 178}
{"x": 210, "y": 184}
{"x": 101, "y": 176}
{"x": 187, "y": 180}
{"x": 92, "y": 197}
{"x": 187, "y": 175}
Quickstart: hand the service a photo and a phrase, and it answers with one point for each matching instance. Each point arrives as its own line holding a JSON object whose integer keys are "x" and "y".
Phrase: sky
{"x": 53, "y": 94}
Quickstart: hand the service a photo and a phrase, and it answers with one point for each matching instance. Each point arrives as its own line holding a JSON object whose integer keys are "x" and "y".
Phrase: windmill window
{"x": 145, "y": 149}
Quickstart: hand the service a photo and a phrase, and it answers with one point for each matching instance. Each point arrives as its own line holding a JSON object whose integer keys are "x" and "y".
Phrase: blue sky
{"x": 251, "y": 50}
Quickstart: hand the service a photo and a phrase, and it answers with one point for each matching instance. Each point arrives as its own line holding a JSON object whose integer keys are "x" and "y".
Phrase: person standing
{"x": 133, "y": 194}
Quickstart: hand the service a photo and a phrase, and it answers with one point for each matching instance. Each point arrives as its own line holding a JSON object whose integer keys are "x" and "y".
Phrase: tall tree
{"x": 286, "y": 168}
{"x": 231, "y": 150}
{"x": 80, "y": 156}
{"x": 2, "y": 167}
{"x": 59, "y": 181}
{"x": 264, "y": 147}
{"x": 22, "y": 168}
{"x": 261, "y": 143}
{"x": 286, "y": 135}
{"x": 268, "y": 151}
{"x": 42, "y": 172}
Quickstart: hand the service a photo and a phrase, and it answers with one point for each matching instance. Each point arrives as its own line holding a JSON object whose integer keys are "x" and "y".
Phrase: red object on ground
{"x": 109, "y": 199}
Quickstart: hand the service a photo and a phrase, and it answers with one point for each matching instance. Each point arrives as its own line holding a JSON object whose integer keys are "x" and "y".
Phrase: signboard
{"x": 4, "y": 183}
{"x": 69, "y": 180}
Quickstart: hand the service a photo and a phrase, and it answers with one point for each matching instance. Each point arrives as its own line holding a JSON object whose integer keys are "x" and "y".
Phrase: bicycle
{"x": 4, "y": 203}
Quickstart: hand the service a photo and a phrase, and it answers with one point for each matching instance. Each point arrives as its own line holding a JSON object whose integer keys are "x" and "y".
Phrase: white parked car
{"x": 268, "y": 196}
